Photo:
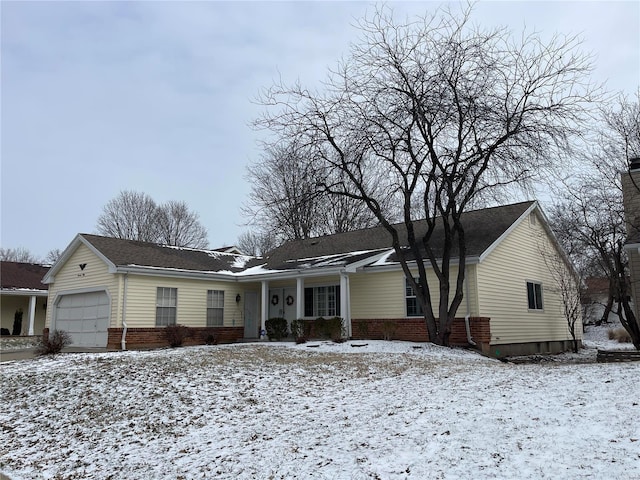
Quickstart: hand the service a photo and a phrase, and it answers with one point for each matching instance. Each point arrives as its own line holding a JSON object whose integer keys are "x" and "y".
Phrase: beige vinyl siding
{"x": 191, "y": 303}
{"x": 94, "y": 276}
{"x": 502, "y": 289}
{"x": 382, "y": 294}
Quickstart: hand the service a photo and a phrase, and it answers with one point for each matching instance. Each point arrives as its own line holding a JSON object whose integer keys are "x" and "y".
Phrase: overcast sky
{"x": 157, "y": 97}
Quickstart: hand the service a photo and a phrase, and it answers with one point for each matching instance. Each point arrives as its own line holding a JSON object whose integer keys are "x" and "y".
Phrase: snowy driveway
{"x": 385, "y": 411}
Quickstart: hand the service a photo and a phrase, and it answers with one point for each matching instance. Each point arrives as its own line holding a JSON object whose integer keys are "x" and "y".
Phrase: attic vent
{"x": 315, "y": 242}
{"x": 533, "y": 219}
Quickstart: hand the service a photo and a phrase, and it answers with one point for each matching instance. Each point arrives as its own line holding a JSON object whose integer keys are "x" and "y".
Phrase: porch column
{"x": 264, "y": 310}
{"x": 345, "y": 303}
{"x": 32, "y": 313}
{"x": 300, "y": 297}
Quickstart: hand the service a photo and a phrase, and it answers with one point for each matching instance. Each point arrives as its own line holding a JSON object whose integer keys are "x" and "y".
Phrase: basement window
{"x": 534, "y": 295}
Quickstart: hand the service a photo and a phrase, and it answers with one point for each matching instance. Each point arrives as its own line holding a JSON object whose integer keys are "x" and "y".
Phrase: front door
{"x": 282, "y": 303}
{"x": 251, "y": 320}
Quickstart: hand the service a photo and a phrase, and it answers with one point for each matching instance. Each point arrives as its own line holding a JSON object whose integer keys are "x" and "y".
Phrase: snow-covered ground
{"x": 387, "y": 410}
{"x": 18, "y": 343}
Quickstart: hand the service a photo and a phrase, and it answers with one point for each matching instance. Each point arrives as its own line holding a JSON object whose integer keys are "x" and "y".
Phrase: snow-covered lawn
{"x": 382, "y": 411}
{"x": 18, "y": 343}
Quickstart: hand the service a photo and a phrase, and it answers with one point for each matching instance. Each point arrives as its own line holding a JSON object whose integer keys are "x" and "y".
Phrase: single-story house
{"x": 116, "y": 293}
{"x": 23, "y": 298}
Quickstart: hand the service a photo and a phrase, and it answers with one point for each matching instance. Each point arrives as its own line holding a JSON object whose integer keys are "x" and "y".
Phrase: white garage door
{"x": 86, "y": 317}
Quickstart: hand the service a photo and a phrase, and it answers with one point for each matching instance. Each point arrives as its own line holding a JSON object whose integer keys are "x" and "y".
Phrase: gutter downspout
{"x": 123, "y": 342}
{"x": 466, "y": 318}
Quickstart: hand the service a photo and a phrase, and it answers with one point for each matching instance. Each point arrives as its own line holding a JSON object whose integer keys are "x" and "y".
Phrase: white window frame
{"x": 325, "y": 302}
{"x": 410, "y": 294}
{"x": 215, "y": 308}
{"x": 166, "y": 302}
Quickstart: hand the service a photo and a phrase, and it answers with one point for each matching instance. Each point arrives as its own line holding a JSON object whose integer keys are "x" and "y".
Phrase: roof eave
{"x": 24, "y": 292}
{"x": 291, "y": 274}
{"x": 176, "y": 273}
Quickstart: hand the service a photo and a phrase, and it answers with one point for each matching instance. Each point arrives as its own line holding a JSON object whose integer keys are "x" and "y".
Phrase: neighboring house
{"x": 595, "y": 298}
{"x": 23, "y": 295}
{"x": 631, "y": 198}
{"x": 114, "y": 293}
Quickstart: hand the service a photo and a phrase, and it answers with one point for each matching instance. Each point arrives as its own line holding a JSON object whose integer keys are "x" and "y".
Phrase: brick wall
{"x": 155, "y": 337}
{"x": 415, "y": 330}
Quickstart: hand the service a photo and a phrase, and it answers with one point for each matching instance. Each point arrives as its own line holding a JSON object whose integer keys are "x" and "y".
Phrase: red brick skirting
{"x": 415, "y": 330}
{"x": 156, "y": 337}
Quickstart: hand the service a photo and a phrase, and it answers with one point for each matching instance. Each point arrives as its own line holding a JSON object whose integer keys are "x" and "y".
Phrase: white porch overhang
{"x": 33, "y": 294}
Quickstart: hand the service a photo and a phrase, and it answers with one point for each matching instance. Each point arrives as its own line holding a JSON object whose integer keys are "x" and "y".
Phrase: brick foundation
{"x": 155, "y": 337}
{"x": 415, "y": 330}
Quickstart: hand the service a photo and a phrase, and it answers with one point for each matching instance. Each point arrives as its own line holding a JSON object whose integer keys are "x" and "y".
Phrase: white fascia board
{"x": 291, "y": 274}
{"x": 24, "y": 292}
{"x": 508, "y": 231}
{"x": 176, "y": 273}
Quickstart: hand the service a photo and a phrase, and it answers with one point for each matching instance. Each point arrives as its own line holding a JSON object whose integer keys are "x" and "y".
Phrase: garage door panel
{"x": 63, "y": 325}
{"x": 85, "y": 317}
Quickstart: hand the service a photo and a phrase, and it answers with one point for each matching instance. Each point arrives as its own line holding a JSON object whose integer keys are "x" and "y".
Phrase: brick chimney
{"x": 631, "y": 201}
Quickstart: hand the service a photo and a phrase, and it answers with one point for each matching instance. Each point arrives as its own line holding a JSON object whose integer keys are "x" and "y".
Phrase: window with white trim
{"x": 414, "y": 309}
{"x": 322, "y": 301}
{"x": 166, "y": 306}
{"x": 215, "y": 308}
{"x": 534, "y": 295}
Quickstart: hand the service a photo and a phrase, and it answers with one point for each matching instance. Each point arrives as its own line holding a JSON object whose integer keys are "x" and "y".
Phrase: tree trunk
{"x": 607, "y": 310}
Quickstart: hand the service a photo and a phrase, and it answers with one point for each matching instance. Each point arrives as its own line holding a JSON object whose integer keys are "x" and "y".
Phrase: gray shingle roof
{"x": 482, "y": 228}
{"x": 122, "y": 252}
{"x": 16, "y": 275}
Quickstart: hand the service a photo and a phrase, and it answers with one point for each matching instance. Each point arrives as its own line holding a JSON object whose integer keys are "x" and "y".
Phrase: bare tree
{"x": 136, "y": 216}
{"x": 428, "y": 116}
{"x": 131, "y": 215}
{"x": 52, "y": 256}
{"x": 288, "y": 201}
{"x": 19, "y": 254}
{"x": 256, "y": 243}
{"x": 179, "y": 226}
{"x": 589, "y": 217}
{"x": 283, "y": 193}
